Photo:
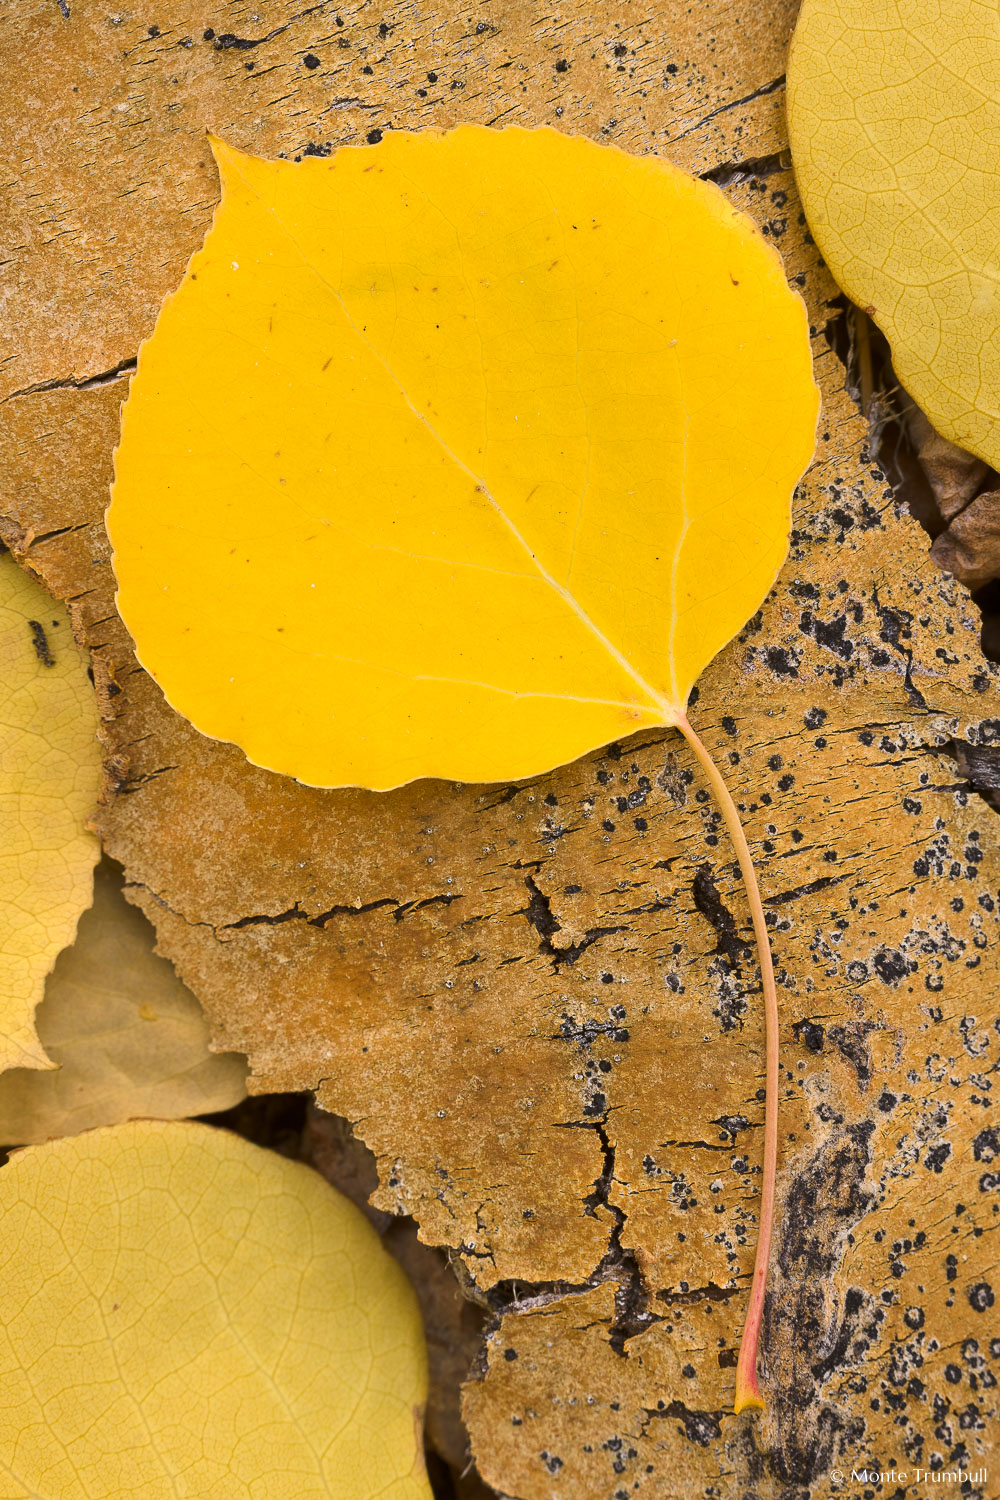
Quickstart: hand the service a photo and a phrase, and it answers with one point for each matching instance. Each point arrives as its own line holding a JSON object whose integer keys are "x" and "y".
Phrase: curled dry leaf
{"x": 970, "y": 548}
{"x": 50, "y": 774}
{"x": 129, "y": 1039}
{"x": 953, "y": 475}
{"x": 186, "y": 1313}
{"x": 893, "y": 114}
{"x": 511, "y": 429}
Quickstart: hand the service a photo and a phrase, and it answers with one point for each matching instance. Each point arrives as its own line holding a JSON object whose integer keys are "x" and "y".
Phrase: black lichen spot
{"x": 40, "y": 641}
{"x": 810, "y": 1033}
{"x": 562, "y": 66}
{"x": 373, "y": 137}
{"x": 980, "y": 1296}
{"x": 700, "y": 1427}
{"x": 830, "y": 634}
{"x": 937, "y": 1156}
{"x": 310, "y": 61}
{"x": 896, "y": 625}
{"x": 229, "y": 41}
{"x": 510, "y": 1354}
{"x": 890, "y": 966}
{"x": 851, "y": 1041}
{"x": 781, "y": 661}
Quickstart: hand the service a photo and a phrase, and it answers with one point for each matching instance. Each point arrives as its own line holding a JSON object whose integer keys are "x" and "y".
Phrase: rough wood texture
{"x": 538, "y": 1002}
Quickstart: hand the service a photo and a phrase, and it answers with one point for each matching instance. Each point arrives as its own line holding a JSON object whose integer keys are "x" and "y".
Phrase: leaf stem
{"x": 747, "y": 1389}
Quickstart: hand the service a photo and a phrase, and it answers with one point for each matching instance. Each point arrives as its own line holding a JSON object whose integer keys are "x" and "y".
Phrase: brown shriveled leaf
{"x": 533, "y": 1001}
{"x": 970, "y": 548}
{"x": 954, "y": 475}
{"x": 129, "y": 1040}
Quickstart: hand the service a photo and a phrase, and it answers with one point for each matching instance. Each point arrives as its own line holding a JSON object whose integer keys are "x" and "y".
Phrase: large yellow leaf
{"x": 50, "y": 773}
{"x": 182, "y": 1313}
{"x": 129, "y": 1038}
{"x": 894, "y": 113}
{"x": 457, "y": 455}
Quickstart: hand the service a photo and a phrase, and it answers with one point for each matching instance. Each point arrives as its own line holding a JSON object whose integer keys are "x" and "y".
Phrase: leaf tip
{"x": 227, "y": 157}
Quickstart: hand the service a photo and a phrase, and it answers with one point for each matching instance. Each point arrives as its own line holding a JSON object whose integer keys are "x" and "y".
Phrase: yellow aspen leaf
{"x": 893, "y": 113}
{"x": 50, "y": 774}
{"x": 457, "y": 455}
{"x": 184, "y": 1313}
{"x": 129, "y": 1039}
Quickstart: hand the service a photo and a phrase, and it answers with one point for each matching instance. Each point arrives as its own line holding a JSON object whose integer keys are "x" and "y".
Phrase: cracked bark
{"x": 76, "y": 382}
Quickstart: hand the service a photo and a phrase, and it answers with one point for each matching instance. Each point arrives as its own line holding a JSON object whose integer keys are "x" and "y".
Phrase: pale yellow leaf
{"x": 50, "y": 774}
{"x": 457, "y": 455}
{"x": 894, "y": 120}
{"x": 184, "y": 1314}
{"x": 129, "y": 1038}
